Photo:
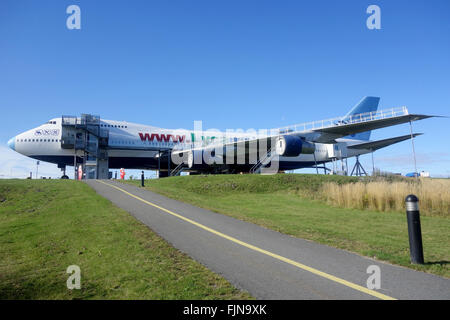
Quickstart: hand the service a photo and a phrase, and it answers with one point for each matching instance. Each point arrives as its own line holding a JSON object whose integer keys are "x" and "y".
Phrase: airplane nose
{"x": 12, "y": 143}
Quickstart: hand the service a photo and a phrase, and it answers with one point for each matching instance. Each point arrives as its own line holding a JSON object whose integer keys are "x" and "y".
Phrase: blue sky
{"x": 232, "y": 64}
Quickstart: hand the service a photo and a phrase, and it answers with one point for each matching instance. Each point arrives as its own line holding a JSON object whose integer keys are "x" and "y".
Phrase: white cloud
{"x": 16, "y": 165}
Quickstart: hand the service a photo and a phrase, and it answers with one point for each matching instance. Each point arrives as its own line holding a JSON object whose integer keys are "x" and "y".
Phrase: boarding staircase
{"x": 90, "y": 144}
{"x": 178, "y": 169}
{"x": 263, "y": 161}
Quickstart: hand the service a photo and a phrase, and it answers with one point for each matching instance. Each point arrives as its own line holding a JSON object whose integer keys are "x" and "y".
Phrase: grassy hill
{"x": 48, "y": 225}
{"x": 297, "y": 205}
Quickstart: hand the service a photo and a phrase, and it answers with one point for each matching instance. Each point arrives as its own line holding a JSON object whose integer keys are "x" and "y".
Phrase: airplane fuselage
{"x": 137, "y": 146}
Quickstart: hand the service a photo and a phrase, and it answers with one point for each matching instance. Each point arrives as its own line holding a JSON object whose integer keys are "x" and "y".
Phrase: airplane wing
{"x": 297, "y": 139}
{"x": 375, "y": 145}
{"x": 330, "y": 134}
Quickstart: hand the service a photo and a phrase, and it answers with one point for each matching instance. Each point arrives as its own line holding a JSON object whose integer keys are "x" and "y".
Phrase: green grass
{"x": 45, "y": 226}
{"x": 284, "y": 203}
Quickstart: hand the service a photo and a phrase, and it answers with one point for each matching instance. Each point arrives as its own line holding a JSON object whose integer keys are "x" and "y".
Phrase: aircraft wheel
{"x": 65, "y": 177}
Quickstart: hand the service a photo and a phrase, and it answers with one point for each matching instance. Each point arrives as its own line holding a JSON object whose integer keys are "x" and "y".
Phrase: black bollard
{"x": 414, "y": 230}
{"x": 142, "y": 179}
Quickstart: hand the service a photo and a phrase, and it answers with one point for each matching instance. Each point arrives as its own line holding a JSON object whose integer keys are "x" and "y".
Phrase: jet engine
{"x": 292, "y": 146}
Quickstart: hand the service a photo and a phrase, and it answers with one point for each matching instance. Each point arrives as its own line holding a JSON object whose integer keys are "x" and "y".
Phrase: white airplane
{"x": 68, "y": 141}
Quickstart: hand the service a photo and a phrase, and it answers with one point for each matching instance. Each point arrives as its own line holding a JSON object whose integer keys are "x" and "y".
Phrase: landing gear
{"x": 63, "y": 168}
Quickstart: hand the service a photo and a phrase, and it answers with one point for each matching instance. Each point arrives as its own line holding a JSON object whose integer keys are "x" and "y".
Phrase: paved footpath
{"x": 268, "y": 264}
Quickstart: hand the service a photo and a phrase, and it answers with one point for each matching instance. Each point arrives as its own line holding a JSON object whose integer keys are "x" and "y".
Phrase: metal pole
{"x": 414, "y": 151}
{"x": 373, "y": 164}
{"x": 354, "y": 167}
{"x": 168, "y": 164}
{"x": 159, "y": 163}
{"x": 315, "y": 162}
{"x": 414, "y": 230}
{"x": 142, "y": 179}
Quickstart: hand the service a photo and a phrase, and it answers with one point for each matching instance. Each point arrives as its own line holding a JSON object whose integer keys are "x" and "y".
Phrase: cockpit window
{"x": 51, "y": 122}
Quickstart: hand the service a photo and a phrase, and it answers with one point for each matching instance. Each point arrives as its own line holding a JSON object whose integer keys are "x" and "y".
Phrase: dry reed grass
{"x": 382, "y": 195}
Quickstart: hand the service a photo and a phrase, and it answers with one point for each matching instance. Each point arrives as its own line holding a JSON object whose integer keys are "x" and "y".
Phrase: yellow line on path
{"x": 268, "y": 253}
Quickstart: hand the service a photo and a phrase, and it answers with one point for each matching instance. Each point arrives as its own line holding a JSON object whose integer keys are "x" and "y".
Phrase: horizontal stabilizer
{"x": 375, "y": 145}
{"x": 329, "y": 134}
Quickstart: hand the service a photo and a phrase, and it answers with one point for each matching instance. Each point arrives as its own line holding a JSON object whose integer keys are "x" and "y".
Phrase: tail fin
{"x": 367, "y": 104}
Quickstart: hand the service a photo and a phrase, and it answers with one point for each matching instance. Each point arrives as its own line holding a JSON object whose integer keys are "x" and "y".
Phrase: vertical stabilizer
{"x": 367, "y": 104}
